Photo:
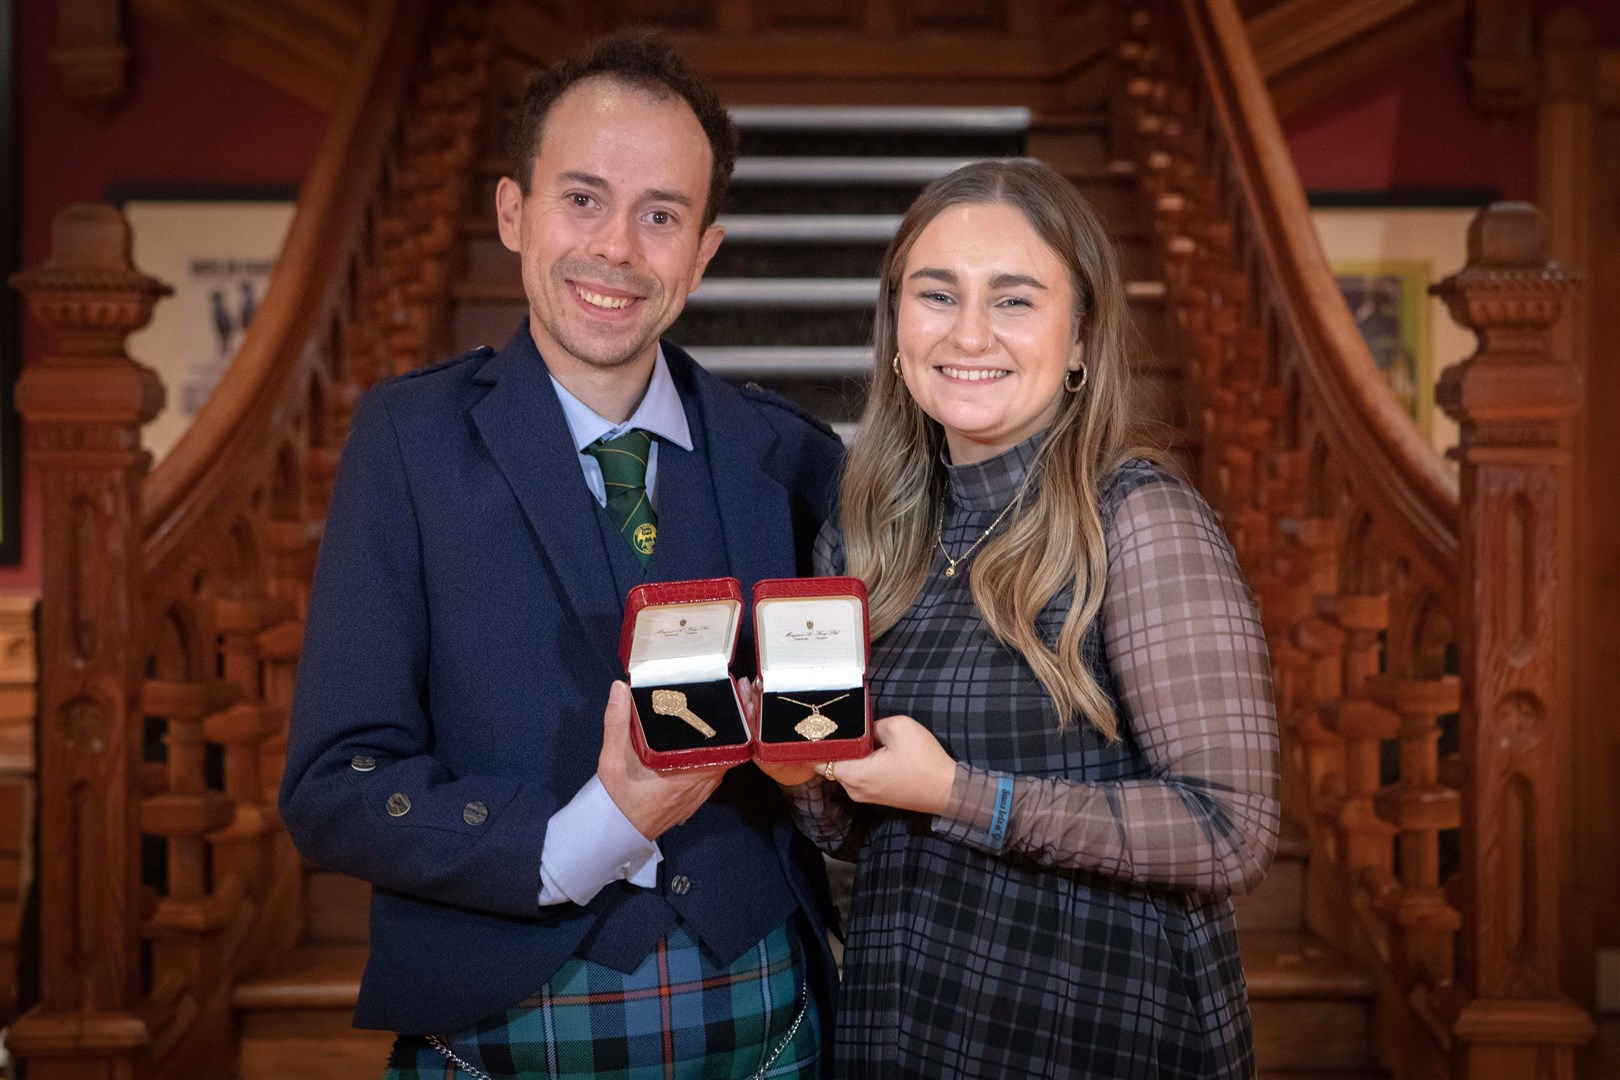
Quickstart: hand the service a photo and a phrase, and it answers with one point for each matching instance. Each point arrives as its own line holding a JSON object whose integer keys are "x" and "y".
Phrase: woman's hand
{"x": 908, "y": 771}
{"x": 785, "y": 773}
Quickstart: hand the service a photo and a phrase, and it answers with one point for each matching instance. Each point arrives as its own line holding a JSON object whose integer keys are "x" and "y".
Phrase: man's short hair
{"x": 636, "y": 57}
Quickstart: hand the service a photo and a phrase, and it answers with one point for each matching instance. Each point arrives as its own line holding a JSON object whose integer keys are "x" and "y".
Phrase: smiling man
{"x": 542, "y": 903}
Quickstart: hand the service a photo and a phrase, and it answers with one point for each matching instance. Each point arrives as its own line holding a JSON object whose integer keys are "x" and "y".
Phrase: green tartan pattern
{"x": 678, "y": 1016}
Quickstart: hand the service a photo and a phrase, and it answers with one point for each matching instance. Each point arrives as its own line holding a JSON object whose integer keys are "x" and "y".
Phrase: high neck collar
{"x": 991, "y": 484}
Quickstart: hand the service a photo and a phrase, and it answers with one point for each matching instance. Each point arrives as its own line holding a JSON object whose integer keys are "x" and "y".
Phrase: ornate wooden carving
{"x": 1501, "y": 57}
{"x": 1513, "y": 400}
{"x": 87, "y": 401}
{"x": 90, "y": 52}
{"x": 1394, "y": 595}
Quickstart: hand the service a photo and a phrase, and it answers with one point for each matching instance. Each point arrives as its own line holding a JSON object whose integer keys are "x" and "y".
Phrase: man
{"x": 542, "y": 902}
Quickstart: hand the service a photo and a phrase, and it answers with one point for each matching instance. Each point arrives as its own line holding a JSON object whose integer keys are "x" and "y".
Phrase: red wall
{"x": 1411, "y": 126}
{"x": 189, "y": 119}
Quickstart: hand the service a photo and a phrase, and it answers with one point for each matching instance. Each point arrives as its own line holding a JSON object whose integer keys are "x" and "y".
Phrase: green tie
{"x": 624, "y": 472}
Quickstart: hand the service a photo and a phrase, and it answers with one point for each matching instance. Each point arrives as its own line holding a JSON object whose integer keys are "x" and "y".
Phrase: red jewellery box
{"x": 677, "y": 646}
{"x": 813, "y": 648}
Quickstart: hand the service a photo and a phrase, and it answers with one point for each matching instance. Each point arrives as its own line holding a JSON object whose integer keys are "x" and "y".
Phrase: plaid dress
{"x": 1088, "y": 932}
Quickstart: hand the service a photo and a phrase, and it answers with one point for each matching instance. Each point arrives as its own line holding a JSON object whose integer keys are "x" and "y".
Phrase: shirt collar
{"x": 660, "y": 412}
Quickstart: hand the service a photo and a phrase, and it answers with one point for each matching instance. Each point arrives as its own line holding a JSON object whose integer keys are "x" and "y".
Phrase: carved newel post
{"x": 1514, "y": 401}
{"x": 86, "y": 402}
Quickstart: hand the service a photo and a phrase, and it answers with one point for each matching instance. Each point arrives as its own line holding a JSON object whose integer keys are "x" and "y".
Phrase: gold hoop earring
{"x": 895, "y": 363}
{"x": 1075, "y": 388}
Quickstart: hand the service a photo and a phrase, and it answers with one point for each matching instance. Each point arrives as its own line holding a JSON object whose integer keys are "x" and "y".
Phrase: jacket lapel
{"x": 522, "y": 424}
{"x": 754, "y": 512}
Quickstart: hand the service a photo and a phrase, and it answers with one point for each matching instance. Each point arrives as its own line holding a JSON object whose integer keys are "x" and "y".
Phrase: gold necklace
{"x": 817, "y": 725}
{"x": 939, "y": 527}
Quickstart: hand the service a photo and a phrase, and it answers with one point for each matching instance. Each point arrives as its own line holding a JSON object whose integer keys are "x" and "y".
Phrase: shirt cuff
{"x": 590, "y": 843}
{"x": 971, "y": 812}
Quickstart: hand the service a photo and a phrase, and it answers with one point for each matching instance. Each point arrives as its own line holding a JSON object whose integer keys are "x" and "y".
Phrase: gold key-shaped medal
{"x": 673, "y": 703}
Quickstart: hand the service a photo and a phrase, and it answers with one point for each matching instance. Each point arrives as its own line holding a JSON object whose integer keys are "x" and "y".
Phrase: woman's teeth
{"x": 973, "y": 374}
{"x": 613, "y": 303}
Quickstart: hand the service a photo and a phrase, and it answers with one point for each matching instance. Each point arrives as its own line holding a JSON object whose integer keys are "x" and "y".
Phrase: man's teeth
{"x": 613, "y": 303}
{"x": 973, "y": 374}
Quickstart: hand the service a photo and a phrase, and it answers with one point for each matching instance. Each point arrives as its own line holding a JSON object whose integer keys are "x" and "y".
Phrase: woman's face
{"x": 985, "y": 323}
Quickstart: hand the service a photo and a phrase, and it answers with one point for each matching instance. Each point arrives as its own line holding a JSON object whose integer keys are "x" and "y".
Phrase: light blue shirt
{"x": 590, "y": 842}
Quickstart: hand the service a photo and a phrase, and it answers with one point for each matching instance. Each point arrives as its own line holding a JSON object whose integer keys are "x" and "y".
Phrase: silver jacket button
{"x": 475, "y": 814}
{"x": 680, "y": 885}
{"x": 362, "y": 763}
{"x": 399, "y": 804}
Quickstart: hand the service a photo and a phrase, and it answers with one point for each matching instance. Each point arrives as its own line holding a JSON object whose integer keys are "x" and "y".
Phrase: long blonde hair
{"x": 893, "y": 480}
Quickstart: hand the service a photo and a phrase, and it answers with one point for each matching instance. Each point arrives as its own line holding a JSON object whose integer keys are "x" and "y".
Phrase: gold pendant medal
{"x": 818, "y": 725}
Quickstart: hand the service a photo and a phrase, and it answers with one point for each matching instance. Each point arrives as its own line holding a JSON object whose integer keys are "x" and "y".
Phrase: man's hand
{"x": 654, "y": 802}
{"x": 909, "y": 770}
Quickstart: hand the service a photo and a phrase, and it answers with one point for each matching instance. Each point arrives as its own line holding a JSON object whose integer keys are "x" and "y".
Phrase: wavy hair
{"x": 893, "y": 482}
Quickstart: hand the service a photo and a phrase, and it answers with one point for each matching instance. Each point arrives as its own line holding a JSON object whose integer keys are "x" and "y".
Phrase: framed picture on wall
{"x": 1385, "y": 250}
{"x": 218, "y": 247}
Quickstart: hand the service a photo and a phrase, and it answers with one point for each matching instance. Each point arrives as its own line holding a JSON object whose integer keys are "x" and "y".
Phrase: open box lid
{"x": 811, "y": 633}
{"x": 681, "y": 631}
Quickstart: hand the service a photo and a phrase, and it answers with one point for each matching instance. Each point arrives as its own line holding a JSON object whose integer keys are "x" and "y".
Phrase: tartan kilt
{"x": 678, "y": 1016}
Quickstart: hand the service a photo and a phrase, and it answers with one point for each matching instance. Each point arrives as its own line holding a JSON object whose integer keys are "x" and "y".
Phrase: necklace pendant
{"x": 950, "y": 571}
{"x": 816, "y": 726}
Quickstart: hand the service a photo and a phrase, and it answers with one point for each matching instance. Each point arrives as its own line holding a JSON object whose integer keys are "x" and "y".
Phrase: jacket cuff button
{"x": 398, "y": 804}
{"x": 362, "y": 763}
{"x": 476, "y": 813}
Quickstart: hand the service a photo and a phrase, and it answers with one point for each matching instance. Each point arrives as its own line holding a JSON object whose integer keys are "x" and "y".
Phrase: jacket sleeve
{"x": 1189, "y": 659}
{"x": 362, "y": 792}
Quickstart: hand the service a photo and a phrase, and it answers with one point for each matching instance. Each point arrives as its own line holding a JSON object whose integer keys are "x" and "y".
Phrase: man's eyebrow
{"x": 583, "y": 178}
{"x": 659, "y": 195}
{"x": 1010, "y": 281}
{"x": 934, "y": 273}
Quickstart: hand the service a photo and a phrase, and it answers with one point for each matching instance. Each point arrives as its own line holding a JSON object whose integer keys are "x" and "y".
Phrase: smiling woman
{"x": 1079, "y": 762}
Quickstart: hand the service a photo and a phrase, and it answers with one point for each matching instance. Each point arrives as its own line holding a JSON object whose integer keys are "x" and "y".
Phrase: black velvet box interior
{"x": 779, "y": 717}
{"x": 714, "y": 702}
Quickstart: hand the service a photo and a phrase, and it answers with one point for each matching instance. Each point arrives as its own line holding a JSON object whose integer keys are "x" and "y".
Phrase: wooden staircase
{"x": 170, "y": 626}
{"x": 841, "y": 217}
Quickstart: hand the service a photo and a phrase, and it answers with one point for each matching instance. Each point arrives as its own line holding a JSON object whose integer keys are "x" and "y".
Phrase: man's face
{"x": 610, "y": 234}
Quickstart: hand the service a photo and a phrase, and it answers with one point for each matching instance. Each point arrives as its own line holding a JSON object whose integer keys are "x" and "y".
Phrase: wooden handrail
{"x": 1404, "y": 603}
{"x": 240, "y": 413}
{"x": 1369, "y": 428}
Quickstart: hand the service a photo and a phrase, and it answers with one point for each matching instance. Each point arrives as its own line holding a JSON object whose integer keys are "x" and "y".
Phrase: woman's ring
{"x": 827, "y": 771}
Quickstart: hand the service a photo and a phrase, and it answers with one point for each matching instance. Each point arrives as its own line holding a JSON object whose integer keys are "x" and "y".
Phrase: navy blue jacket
{"x": 462, "y": 634}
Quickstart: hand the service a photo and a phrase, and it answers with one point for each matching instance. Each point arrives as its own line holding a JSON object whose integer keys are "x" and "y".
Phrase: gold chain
{"x": 815, "y": 710}
{"x": 939, "y": 528}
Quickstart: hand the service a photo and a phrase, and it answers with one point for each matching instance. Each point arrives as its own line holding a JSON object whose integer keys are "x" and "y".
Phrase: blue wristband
{"x": 1002, "y": 814}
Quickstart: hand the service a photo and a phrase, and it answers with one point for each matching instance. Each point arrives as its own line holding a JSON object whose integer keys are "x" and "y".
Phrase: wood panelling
{"x": 1309, "y": 48}
{"x": 305, "y": 47}
{"x": 91, "y": 52}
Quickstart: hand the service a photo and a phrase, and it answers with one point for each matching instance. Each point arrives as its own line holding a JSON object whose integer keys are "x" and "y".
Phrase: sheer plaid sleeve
{"x": 1189, "y": 659}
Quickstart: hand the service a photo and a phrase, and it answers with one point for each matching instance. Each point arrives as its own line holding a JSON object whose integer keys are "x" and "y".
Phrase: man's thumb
{"x": 617, "y": 713}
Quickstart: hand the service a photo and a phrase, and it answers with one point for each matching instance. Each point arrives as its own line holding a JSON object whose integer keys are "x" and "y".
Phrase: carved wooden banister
{"x": 86, "y": 402}
{"x": 1513, "y": 400}
{"x": 174, "y": 601}
{"x": 1409, "y": 606}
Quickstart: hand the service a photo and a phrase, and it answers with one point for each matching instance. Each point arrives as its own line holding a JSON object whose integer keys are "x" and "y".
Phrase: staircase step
{"x": 902, "y": 119}
{"x": 1279, "y": 902}
{"x": 323, "y": 976}
{"x": 337, "y": 907}
{"x": 312, "y": 1044}
{"x": 1312, "y": 1004}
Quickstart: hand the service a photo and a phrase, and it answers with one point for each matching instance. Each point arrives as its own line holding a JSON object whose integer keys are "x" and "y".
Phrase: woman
{"x": 1084, "y": 767}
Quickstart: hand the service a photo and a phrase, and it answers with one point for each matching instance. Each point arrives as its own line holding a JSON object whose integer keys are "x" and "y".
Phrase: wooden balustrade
{"x": 1409, "y": 602}
{"x": 173, "y": 629}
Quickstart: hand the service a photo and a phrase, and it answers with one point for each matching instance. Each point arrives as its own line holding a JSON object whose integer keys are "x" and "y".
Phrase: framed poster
{"x": 1385, "y": 250}
{"x": 217, "y": 246}
{"x": 10, "y": 302}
